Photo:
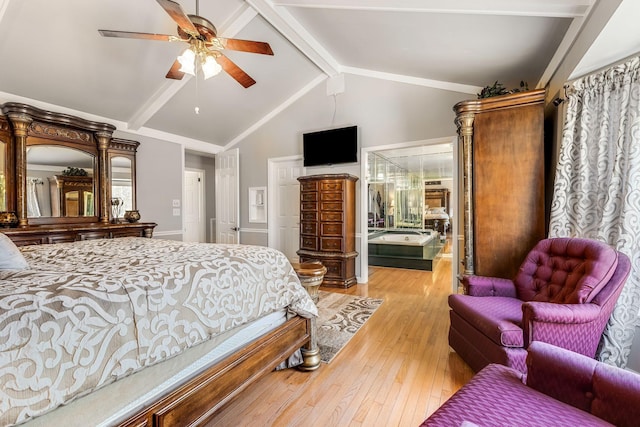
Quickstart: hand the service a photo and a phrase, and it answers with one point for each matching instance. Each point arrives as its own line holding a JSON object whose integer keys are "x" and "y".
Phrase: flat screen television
{"x": 331, "y": 146}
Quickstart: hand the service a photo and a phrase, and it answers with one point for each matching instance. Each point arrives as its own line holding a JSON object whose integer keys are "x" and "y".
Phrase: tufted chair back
{"x": 565, "y": 270}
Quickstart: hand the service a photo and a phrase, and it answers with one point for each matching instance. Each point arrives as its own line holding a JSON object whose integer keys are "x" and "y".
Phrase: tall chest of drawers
{"x": 328, "y": 226}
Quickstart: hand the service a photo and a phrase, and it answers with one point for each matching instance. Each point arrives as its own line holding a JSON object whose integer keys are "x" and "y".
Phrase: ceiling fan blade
{"x": 246, "y": 46}
{"x": 174, "y": 72}
{"x": 234, "y": 71}
{"x": 134, "y": 35}
{"x": 177, "y": 14}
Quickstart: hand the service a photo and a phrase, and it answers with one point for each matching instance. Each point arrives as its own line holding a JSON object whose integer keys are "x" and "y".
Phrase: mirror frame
{"x": 9, "y": 166}
{"x": 29, "y": 125}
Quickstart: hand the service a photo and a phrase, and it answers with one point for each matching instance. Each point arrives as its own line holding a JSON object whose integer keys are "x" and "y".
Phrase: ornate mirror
{"x": 60, "y": 182}
{"x": 122, "y": 182}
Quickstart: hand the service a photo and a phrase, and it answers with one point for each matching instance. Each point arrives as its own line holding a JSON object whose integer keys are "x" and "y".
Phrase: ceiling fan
{"x": 204, "y": 45}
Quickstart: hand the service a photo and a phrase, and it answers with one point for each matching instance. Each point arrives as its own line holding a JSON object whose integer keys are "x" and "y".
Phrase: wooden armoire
{"x": 502, "y": 142}
{"x": 328, "y": 226}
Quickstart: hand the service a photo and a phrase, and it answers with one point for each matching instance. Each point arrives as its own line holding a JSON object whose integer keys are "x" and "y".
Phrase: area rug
{"x": 340, "y": 317}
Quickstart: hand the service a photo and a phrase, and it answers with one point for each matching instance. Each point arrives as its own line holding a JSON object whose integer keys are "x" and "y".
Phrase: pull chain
{"x": 197, "y": 109}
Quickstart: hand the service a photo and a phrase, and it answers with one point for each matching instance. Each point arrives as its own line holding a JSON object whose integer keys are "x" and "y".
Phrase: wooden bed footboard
{"x": 196, "y": 401}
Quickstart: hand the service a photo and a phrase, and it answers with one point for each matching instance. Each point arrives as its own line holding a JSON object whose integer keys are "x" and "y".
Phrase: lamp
{"x": 188, "y": 61}
{"x": 210, "y": 67}
{"x": 198, "y": 52}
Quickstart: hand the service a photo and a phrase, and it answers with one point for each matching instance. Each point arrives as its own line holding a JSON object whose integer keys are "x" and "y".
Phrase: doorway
{"x": 410, "y": 189}
{"x": 194, "y": 206}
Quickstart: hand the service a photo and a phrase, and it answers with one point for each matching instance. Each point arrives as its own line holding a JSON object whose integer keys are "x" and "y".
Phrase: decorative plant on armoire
{"x": 498, "y": 89}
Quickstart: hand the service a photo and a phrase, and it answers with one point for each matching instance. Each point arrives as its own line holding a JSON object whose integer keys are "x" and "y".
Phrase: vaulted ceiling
{"x": 52, "y": 52}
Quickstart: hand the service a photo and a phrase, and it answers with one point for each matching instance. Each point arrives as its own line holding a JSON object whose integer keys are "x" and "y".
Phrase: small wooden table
{"x": 311, "y": 275}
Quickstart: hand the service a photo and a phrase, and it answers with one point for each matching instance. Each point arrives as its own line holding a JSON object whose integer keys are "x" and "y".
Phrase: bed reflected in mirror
{"x": 59, "y": 182}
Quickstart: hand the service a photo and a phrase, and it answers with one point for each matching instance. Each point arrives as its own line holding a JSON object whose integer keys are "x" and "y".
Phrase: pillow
{"x": 10, "y": 256}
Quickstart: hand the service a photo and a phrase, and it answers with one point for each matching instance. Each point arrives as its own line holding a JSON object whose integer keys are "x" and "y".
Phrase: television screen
{"x": 331, "y": 146}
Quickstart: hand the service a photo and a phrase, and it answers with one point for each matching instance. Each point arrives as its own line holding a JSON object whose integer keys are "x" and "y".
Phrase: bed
{"x": 138, "y": 331}
{"x": 436, "y": 219}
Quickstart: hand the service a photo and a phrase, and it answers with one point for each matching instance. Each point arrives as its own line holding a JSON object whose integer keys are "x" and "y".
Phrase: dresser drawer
{"x": 308, "y": 196}
{"x": 330, "y": 185}
{"x": 309, "y": 228}
{"x": 336, "y": 216}
{"x": 309, "y": 186}
{"x": 331, "y": 196}
{"x": 331, "y": 244}
{"x": 331, "y": 229}
{"x": 331, "y": 206}
{"x": 309, "y": 206}
{"x": 94, "y": 235}
{"x": 24, "y": 241}
{"x": 131, "y": 232}
{"x": 61, "y": 238}
{"x": 308, "y": 216}
{"x": 335, "y": 268}
{"x": 310, "y": 243}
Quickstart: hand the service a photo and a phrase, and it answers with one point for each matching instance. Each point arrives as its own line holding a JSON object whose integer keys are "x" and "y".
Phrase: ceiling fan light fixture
{"x": 188, "y": 62}
{"x": 210, "y": 67}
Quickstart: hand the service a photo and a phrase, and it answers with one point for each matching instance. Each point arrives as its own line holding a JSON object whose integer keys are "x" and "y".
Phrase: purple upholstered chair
{"x": 563, "y": 294}
{"x": 562, "y": 388}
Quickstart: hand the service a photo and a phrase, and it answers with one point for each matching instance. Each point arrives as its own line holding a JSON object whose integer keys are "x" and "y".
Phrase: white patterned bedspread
{"x": 88, "y": 313}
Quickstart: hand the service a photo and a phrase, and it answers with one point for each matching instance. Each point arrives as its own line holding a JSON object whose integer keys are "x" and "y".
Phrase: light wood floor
{"x": 394, "y": 372}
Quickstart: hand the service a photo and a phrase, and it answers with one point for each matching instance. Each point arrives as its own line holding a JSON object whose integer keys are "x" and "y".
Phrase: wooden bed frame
{"x": 195, "y": 402}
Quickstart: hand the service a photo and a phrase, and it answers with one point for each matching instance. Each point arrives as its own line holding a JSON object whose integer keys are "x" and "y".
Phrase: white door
{"x": 284, "y": 205}
{"x": 194, "y": 216}
{"x": 227, "y": 197}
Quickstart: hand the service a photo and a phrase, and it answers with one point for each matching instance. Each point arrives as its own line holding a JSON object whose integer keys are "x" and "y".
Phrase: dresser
{"x": 328, "y": 226}
{"x": 46, "y": 234}
{"x": 502, "y": 140}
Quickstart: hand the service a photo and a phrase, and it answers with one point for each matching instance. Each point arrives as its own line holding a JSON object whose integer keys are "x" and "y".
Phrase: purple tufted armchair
{"x": 563, "y": 294}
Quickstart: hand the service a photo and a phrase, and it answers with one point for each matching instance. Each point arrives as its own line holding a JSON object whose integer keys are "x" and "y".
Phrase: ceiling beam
{"x": 292, "y": 30}
{"x": 232, "y": 26}
{"x": 165, "y": 92}
{"x": 4, "y": 4}
{"x": 598, "y": 18}
{"x": 546, "y": 8}
{"x": 418, "y": 81}
{"x": 299, "y": 94}
{"x": 561, "y": 51}
{"x": 189, "y": 143}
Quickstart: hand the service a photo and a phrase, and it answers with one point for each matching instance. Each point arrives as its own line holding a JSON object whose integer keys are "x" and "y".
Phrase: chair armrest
{"x": 481, "y": 286}
{"x": 561, "y": 374}
{"x": 548, "y": 312}
{"x": 576, "y": 327}
{"x": 608, "y": 392}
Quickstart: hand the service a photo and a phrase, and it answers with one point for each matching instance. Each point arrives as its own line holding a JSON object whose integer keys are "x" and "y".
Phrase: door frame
{"x": 364, "y": 165}
{"x": 202, "y": 232}
{"x": 271, "y": 193}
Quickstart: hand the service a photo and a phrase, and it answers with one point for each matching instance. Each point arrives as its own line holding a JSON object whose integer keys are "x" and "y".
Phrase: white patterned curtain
{"x": 33, "y": 207}
{"x": 597, "y": 184}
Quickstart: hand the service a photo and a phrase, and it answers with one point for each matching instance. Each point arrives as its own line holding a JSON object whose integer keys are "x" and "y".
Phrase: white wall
{"x": 159, "y": 166}
{"x": 385, "y": 113}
